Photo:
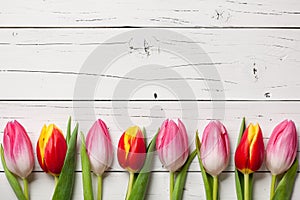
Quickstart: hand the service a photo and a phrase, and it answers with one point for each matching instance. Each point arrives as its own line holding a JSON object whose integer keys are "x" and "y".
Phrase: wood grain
{"x": 197, "y": 64}
{"x": 140, "y": 62}
{"x": 115, "y": 13}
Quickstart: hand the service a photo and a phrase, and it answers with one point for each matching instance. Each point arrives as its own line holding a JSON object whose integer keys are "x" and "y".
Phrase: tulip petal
{"x": 215, "y": 148}
{"x": 132, "y": 149}
{"x": 172, "y": 145}
{"x": 282, "y": 147}
{"x": 55, "y": 152}
{"x": 249, "y": 154}
{"x": 51, "y": 149}
{"x": 99, "y": 147}
{"x": 18, "y": 150}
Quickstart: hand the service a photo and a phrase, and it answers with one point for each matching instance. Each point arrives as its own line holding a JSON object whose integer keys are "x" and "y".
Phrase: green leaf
{"x": 64, "y": 187}
{"x": 140, "y": 185}
{"x": 239, "y": 177}
{"x": 86, "y": 171}
{"x": 207, "y": 179}
{"x": 285, "y": 187}
{"x": 68, "y": 136}
{"x": 181, "y": 177}
{"x": 242, "y": 129}
{"x": 13, "y": 181}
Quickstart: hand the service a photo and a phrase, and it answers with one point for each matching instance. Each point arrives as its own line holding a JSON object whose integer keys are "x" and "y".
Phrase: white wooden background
{"x": 253, "y": 45}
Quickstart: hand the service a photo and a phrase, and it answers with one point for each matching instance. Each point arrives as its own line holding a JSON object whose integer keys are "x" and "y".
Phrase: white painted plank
{"x": 191, "y": 64}
{"x": 115, "y": 184}
{"x": 150, "y": 114}
{"x": 222, "y": 13}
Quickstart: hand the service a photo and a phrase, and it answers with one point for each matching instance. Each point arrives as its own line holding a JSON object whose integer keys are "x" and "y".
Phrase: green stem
{"x": 130, "y": 184}
{"x": 215, "y": 187}
{"x": 246, "y": 187}
{"x": 26, "y": 193}
{"x": 272, "y": 191}
{"x": 99, "y": 195}
{"x": 171, "y": 184}
{"x": 56, "y": 180}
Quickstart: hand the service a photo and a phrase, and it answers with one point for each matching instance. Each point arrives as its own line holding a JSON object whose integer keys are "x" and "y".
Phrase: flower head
{"x": 282, "y": 147}
{"x": 172, "y": 145}
{"x": 215, "y": 149}
{"x": 18, "y": 152}
{"x": 51, "y": 149}
{"x": 249, "y": 154}
{"x": 132, "y": 149}
{"x": 99, "y": 147}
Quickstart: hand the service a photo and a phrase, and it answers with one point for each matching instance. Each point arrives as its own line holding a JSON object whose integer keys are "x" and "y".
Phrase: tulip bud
{"x": 215, "y": 149}
{"x": 99, "y": 147}
{"x": 282, "y": 147}
{"x": 51, "y": 149}
{"x": 18, "y": 152}
{"x": 249, "y": 154}
{"x": 172, "y": 145}
{"x": 132, "y": 149}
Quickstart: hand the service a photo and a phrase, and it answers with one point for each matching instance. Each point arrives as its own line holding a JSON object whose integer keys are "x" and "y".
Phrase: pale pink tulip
{"x": 172, "y": 145}
{"x": 99, "y": 147}
{"x": 215, "y": 148}
{"x": 18, "y": 151}
{"x": 282, "y": 147}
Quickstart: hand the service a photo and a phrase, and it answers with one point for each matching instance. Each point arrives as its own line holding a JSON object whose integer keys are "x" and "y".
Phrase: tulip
{"x": 99, "y": 147}
{"x": 215, "y": 151}
{"x": 172, "y": 147}
{"x": 281, "y": 150}
{"x": 99, "y": 150}
{"x": 132, "y": 153}
{"x": 282, "y": 147}
{"x": 249, "y": 154}
{"x": 18, "y": 152}
{"x": 132, "y": 149}
{"x": 51, "y": 150}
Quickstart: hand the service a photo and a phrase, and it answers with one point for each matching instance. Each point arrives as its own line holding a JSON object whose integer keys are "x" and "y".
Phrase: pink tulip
{"x": 215, "y": 149}
{"x": 18, "y": 151}
{"x": 172, "y": 145}
{"x": 99, "y": 147}
{"x": 282, "y": 147}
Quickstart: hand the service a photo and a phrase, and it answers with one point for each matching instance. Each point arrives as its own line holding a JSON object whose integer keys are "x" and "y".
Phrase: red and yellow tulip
{"x": 51, "y": 149}
{"x": 249, "y": 154}
{"x": 132, "y": 149}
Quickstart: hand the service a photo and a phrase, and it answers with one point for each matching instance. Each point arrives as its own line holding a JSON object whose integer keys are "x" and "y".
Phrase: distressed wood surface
{"x": 224, "y": 64}
{"x": 204, "y": 60}
{"x": 221, "y": 13}
{"x": 149, "y": 114}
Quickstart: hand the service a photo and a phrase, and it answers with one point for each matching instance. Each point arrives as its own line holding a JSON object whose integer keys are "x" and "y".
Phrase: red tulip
{"x": 282, "y": 147}
{"x": 132, "y": 149}
{"x": 172, "y": 145}
{"x": 249, "y": 154}
{"x": 215, "y": 149}
{"x": 99, "y": 147}
{"x": 18, "y": 152}
{"x": 51, "y": 149}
